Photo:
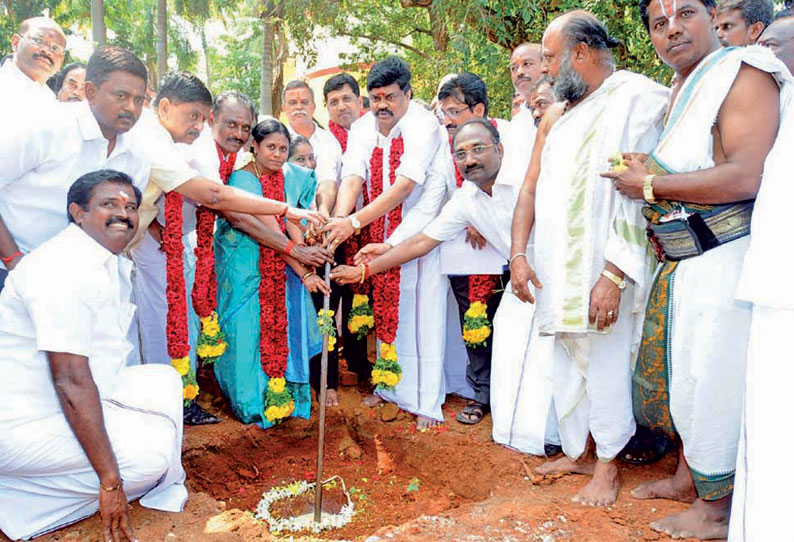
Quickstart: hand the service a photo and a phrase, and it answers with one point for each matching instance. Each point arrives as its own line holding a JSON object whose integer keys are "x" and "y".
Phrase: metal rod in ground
{"x": 318, "y": 487}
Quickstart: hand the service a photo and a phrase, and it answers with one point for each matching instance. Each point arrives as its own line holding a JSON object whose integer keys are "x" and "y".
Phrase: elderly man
{"x": 699, "y": 184}
{"x": 39, "y": 47}
{"x": 779, "y": 37}
{"x": 69, "y": 85}
{"x": 591, "y": 258}
{"x": 741, "y": 22}
{"x": 474, "y": 267}
{"x": 397, "y": 152}
{"x": 81, "y": 431}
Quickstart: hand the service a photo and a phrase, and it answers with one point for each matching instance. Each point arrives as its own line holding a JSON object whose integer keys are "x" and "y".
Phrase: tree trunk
{"x": 98, "y": 32}
{"x": 266, "y": 84}
{"x": 205, "y": 48}
{"x": 162, "y": 41}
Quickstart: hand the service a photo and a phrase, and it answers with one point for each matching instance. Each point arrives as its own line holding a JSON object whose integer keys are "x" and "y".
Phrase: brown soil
{"x": 452, "y": 483}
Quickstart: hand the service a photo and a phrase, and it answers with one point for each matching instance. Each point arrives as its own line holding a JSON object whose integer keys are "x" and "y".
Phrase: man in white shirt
{"x": 397, "y": 152}
{"x": 69, "y": 84}
{"x": 81, "y": 431}
{"x": 525, "y": 72}
{"x": 298, "y": 105}
{"x": 39, "y": 47}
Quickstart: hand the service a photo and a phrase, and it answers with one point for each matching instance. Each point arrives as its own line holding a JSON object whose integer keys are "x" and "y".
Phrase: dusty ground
{"x": 449, "y": 484}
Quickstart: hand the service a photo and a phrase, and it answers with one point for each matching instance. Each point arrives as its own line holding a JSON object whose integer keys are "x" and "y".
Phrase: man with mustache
{"x": 698, "y": 185}
{"x": 45, "y": 150}
{"x": 70, "y": 83}
{"x": 39, "y": 47}
{"x": 541, "y": 97}
{"x": 469, "y": 259}
{"x": 524, "y": 72}
{"x": 590, "y": 256}
{"x": 741, "y": 22}
{"x": 82, "y": 431}
{"x": 402, "y": 143}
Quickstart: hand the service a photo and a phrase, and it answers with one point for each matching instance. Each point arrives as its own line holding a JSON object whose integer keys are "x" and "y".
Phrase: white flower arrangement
{"x": 306, "y": 521}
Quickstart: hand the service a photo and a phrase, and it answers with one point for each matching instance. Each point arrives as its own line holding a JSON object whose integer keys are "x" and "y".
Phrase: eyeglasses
{"x": 54, "y": 48}
{"x": 475, "y": 151}
{"x": 453, "y": 113}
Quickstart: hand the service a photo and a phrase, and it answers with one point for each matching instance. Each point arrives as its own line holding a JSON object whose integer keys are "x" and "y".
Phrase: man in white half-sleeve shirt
{"x": 298, "y": 105}
{"x": 39, "y": 47}
{"x": 397, "y": 153}
{"x": 525, "y": 72}
{"x": 81, "y": 431}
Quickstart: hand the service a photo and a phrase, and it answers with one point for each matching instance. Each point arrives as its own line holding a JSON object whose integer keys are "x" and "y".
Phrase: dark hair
{"x": 388, "y": 71}
{"x": 294, "y": 142}
{"x": 232, "y": 96}
{"x": 82, "y": 190}
{"x": 297, "y": 83}
{"x": 467, "y": 88}
{"x": 482, "y": 122}
{"x": 782, "y": 14}
{"x": 753, "y": 11}
{"x": 183, "y": 87}
{"x": 60, "y": 77}
{"x": 338, "y": 81}
{"x": 365, "y": 102}
{"x": 267, "y": 127}
{"x": 544, "y": 80}
{"x": 708, "y": 4}
{"x": 108, "y": 59}
{"x": 584, "y": 27}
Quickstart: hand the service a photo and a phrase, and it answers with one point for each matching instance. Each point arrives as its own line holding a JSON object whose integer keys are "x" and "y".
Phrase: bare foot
{"x": 704, "y": 520}
{"x": 372, "y": 400}
{"x": 331, "y": 399}
{"x": 602, "y": 490}
{"x": 426, "y": 423}
{"x": 564, "y": 465}
{"x": 678, "y": 488}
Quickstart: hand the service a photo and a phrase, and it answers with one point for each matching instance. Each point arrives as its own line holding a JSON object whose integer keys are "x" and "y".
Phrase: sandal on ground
{"x": 472, "y": 413}
{"x": 645, "y": 447}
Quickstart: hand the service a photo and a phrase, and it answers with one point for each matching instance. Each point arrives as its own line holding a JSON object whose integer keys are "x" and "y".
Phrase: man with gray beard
{"x": 590, "y": 259}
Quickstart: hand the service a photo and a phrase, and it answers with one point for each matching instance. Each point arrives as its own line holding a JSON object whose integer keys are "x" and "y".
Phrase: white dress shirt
{"x": 43, "y": 155}
{"x": 20, "y": 90}
{"x": 518, "y": 148}
{"x": 70, "y": 295}
{"x": 492, "y": 216}
{"x": 327, "y": 152}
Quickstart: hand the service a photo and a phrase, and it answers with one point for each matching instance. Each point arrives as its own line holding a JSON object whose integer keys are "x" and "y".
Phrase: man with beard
{"x": 343, "y": 101}
{"x": 524, "y": 71}
{"x": 69, "y": 83}
{"x": 397, "y": 152}
{"x": 39, "y": 47}
{"x": 474, "y": 267}
{"x": 699, "y": 184}
{"x": 741, "y": 22}
{"x": 81, "y": 431}
{"x": 298, "y": 105}
{"x": 779, "y": 37}
{"x": 591, "y": 258}
{"x": 541, "y": 97}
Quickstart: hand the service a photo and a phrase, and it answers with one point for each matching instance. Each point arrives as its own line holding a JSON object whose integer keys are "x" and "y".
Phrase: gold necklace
{"x": 256, "y": 169}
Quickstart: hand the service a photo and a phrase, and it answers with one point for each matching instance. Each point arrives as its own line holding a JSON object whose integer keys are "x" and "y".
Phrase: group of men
{"x": 610, "y": 221}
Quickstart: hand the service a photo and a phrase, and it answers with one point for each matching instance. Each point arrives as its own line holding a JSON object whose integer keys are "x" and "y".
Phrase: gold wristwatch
{"x": 619, "y": 282}
{"x": 647, "y": 189}
{"x": 355, "y": 223}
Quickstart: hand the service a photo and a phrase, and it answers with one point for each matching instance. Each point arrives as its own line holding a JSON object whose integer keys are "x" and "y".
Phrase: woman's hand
{"x": 296, "y": 215}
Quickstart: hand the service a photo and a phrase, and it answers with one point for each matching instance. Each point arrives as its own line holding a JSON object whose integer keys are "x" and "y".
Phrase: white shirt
{"x": 518, "y": 150}
{"x": 43, "y": 155}
{"x": 20, "y": 90}
{"x": 492, "y": 216}
{"x": 69, "y": 295}
{"x": 327, "y": 152}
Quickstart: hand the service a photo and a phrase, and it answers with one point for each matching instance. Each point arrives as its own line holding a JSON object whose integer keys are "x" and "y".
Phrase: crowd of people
{"x": 601, "y": 274}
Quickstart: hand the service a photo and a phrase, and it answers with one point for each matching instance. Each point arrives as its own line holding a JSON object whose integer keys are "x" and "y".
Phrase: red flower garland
{"x": 339, "y": 133}
{"x": 480, "y": 286}
{"x": 176, "y": 327}
{"x": 273, "y": 346}
{"x": 386, "y": 285}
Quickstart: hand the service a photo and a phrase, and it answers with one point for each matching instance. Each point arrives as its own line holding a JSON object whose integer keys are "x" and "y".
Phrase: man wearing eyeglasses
{"x": 38, "y": 48}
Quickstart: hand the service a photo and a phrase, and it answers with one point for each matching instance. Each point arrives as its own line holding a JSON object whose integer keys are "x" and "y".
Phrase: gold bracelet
{"x": 307, "y": 274}
{"x": 114, "y": 488}
{"x": 524, "y": 254}
{"x": 647, "y": 189}
{"x": 363, "y": 274}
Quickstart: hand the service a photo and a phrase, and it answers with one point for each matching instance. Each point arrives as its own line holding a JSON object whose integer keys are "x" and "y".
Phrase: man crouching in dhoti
{"x": 699, "y": 184}
{"x": 590, "y": 251}
{"x": 80, "y": 431}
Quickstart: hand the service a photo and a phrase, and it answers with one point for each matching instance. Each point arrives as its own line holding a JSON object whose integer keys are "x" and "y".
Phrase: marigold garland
{"x": 386, "y": 286}
{"x": 361, "y": 319}
{"x": 273, "y": 346}
{"x": 325, "y": 321}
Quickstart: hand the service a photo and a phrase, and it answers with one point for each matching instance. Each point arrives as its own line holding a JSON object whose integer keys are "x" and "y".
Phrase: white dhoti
{"x": 46, "y": 481}
{"x": 420, "y": 340}
{"x": 763, "y": 480}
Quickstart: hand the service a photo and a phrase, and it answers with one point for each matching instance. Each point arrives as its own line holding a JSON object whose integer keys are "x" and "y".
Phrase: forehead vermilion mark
{"x": 669, "y": 8}
{"x": 124, "y": 196}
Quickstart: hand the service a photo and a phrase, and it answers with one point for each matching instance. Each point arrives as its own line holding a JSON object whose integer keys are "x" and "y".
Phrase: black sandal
{"x": 472, "y": 413}
{"x": 645, "y": 447}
